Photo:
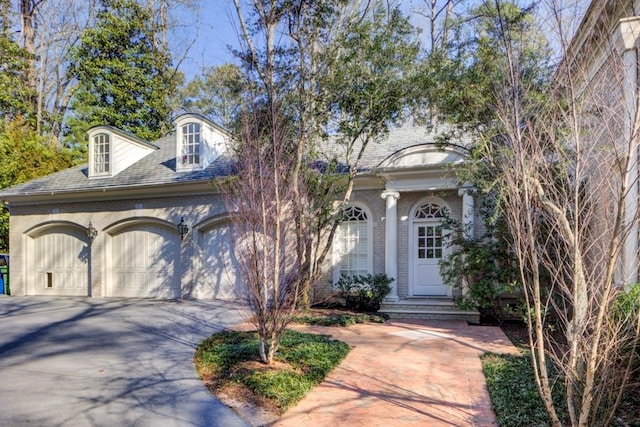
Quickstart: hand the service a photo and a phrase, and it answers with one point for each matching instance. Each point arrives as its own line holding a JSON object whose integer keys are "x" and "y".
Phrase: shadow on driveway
{"x": 105, "y": 362}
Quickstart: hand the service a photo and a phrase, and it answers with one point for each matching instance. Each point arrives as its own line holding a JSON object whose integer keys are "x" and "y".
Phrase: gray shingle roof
{"x": 159, "y": 167}
{"x": 397, "y": 140}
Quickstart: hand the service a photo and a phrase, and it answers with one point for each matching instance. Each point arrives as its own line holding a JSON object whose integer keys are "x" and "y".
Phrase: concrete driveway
{"x": 107, "y": 362}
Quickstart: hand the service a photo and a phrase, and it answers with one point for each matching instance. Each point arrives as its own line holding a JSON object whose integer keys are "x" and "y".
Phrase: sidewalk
{"x": 404, "y": 373}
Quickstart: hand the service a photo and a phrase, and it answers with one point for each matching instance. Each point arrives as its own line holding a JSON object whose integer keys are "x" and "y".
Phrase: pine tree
{"x": 123, "y": 79}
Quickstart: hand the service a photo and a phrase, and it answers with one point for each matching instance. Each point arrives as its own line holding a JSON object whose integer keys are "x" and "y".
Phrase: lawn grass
{"x": 513, "y": 391}
{"x": 231, "y": 359}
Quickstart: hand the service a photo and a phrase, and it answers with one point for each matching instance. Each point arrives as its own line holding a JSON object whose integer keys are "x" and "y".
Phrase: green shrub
{"x": 627, "y": 304}
{"x": 364, "y": 291}
{"x": 346, "y": 319}
{"x": 282, "y": 387}
{"x": 224, "y": 349}
{"x": 514, "y": 395}
{"x": 624, "y": 315}
{"x": 485, "y": 265}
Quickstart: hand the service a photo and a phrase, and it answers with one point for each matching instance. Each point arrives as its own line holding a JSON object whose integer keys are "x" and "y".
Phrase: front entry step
{"x": 428, "y": 309}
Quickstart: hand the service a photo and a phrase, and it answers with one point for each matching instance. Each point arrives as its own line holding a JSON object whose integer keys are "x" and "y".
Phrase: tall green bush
{"x": 482, "y": 268}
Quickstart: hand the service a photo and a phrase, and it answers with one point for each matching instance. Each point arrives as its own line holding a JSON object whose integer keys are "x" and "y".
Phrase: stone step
{"x": 419, "y": 306}
{"x": 467, "y": 316}
{"x": 428, "y": 309}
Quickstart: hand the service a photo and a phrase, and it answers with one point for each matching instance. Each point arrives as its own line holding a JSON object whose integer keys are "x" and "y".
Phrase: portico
{"x": 421, "y": 190}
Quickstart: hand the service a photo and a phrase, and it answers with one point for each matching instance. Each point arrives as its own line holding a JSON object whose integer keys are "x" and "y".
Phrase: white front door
{"x": 427, "y": 250}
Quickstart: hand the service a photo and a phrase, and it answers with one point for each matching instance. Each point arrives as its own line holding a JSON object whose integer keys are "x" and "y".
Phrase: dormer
{"x": 111, "y": 151}
{"x": 198, "y": 142}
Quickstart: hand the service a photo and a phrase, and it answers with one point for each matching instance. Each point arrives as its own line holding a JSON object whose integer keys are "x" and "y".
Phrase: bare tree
{"x": 60, "y": 27}
{"x": 568, "y": 170}
{"x": 439, "y": 15}
{"x": 168, "y": 29}
{"x": 28, "y": 13}
{"x": 262, "y": 198}
{"x": 51, "y": 28}
{"x": 317, "y": 68}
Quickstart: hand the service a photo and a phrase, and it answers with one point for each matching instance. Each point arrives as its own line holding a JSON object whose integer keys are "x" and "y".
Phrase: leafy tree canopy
{"x": 461, "y": 78}
{"x": 16, "y": 98}
{"x": 25, "y": 156}
{"x": 124, "y": 80}
{"x": 216, "y": 93}
{"x": 372, "y": 81}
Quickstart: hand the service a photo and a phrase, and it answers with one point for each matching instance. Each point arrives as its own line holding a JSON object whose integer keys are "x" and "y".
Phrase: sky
{"x": 210, "y": 30}
{"x": 210, "y": 35}
{"x": 213, "y": 31}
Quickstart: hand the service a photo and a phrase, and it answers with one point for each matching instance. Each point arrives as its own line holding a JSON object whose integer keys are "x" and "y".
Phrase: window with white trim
{"x": 352, "y": 241}
{"x": 101, "y": 154}
{"x": 190, "y": 144}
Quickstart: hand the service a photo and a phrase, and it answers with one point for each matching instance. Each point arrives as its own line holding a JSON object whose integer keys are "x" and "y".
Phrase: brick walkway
{"x": 404, "y": 373}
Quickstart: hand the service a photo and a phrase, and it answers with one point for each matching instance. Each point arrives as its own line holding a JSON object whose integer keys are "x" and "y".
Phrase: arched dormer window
{"x": 352, "y": 244}
{"x": 101, "y": 154}
{"x": 190, "y": 149}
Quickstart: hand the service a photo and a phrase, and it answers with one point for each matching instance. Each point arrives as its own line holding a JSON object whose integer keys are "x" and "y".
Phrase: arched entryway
{"x": 427, "y": 248}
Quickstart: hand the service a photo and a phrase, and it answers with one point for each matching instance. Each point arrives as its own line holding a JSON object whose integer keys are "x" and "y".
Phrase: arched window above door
{"x": 430, "y": 211}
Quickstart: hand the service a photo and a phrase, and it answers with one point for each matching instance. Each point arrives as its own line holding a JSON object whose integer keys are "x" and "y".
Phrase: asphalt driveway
{"x": 107, "y": 362}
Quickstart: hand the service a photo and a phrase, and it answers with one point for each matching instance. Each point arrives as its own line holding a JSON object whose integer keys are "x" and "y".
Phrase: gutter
{"x": 176, "y": 189}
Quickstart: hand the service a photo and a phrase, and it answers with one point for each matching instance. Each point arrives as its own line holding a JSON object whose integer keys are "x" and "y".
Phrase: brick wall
{"x": 103, "y": 215}
{"x": 197, "y": 210}
{"x": 376, "y": 204}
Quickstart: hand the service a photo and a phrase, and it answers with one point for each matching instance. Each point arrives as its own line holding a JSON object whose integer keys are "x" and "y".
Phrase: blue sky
{"x": 210, "y": 34}
{"x": 211, "y": 29}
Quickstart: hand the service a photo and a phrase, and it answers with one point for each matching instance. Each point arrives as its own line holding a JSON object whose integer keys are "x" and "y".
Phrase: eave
{"x": 137, "y": 192}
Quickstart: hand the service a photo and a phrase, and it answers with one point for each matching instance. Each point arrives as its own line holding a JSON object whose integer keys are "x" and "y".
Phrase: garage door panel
{"x": 144, "y": 257}
{"x": 219, "y": 276}
{"x": 61, "y": 262}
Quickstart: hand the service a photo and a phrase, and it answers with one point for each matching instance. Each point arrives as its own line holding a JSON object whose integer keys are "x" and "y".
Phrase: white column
{"x": 629, "y": 36}
{"x": 468, "y": 211}
{"x": 391, "y": 241}
{"x": 468, "y": 220}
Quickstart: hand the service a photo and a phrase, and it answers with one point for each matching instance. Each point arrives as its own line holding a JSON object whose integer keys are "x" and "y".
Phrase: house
{"x": 111, "y": 228}
{"x": 604, "y": 61}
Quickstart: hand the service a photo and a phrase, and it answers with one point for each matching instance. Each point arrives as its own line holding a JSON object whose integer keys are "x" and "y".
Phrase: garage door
{"x": 60, "y": 262}
{"x": 218, "y": 277}
{"x": 144, "y": 260}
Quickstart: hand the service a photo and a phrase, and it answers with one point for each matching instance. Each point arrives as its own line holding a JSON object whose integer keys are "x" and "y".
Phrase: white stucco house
{"x": 109, "y": 228}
